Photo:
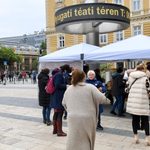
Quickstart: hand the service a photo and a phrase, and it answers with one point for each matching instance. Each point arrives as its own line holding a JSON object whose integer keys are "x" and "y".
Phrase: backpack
{"x": 50, "y": 86}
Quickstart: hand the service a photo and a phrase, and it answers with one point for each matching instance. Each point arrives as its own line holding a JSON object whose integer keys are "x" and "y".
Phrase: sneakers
{"x": 44, "y": 121}
{"x": 99, "y": 127}
{"x": 113, "y": 112}
{"x": 48, "y": 123}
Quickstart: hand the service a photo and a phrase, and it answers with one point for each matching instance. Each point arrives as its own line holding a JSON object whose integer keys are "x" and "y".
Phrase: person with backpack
{"x": 138, "y": 102}
{"x": 44, "y": 97}
{"x": 93, "y": 80}
{"x": 56, "y": 101}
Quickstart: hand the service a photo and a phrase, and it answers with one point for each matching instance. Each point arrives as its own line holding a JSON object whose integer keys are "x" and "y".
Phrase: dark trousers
{"x": 140, "y": 122}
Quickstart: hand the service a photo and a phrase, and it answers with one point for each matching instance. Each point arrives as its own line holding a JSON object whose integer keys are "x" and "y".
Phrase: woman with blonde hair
{"x": 82, "y": 101}
{"x": 138, "y": 102}
{"x": 93, "y": 80}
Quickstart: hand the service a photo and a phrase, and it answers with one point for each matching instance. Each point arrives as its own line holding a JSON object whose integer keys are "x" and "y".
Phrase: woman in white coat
{"x": 82, "y": 101}
{"x": 138, "y": 102}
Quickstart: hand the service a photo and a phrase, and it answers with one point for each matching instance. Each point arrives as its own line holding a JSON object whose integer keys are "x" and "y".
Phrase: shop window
{"x": 103, "y": 38}
{"x": 61, "y": 41}
{"x": 119, "y": 2}
{"x": 119, "y": 36}
{"x": 136, "y": 5}
{"x": 137, "y": 30}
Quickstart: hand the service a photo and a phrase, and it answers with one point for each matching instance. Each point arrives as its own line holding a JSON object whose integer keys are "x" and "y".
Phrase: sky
{"x": 18, "y": 17}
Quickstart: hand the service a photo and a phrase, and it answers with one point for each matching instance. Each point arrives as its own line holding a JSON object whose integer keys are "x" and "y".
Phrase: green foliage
{"x": 104, "y": 68}
{"x": 7, "y": 54}
{"x": 35, "y": 64}
{"x": 43, "y": 48}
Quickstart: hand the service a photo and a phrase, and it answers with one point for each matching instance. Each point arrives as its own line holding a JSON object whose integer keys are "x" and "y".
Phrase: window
{"x": 119, "y": 2}
{"x": 26, "y": 61}
{"x": 119, "y": 36}
{"x": 136, "y": 5}
{"x": 137, "y": 30}
{"x": 61, "y": 41}
{"x": 103, "y": 38}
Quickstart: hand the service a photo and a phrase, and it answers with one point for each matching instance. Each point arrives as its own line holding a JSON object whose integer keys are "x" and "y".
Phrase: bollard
{"x": 14, "y": 80}
{"x": 23, "y": 80}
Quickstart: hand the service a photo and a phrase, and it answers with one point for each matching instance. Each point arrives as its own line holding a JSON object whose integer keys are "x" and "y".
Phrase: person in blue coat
{"x": 92, "y": 80}
{"x": 56, "y": 101}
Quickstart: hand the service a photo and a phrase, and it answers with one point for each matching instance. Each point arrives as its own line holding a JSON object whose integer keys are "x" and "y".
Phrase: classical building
{"x": 140, "y": 24}
{"x": 28, "y": 52}
{"x": 27, "y": 45}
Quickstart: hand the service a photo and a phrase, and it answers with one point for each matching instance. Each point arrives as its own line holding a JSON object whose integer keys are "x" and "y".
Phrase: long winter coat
{"x": 118, "y": 85}
{"x": 138, "y": 101}
{"x": 82, "y": 104}
{"x": 44, "y": 98}
{"x": 57, "y": 96}
{"x": 99, "y": 84}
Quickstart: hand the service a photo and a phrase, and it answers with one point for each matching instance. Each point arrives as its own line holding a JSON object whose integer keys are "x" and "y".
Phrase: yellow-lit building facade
{"x": 140, "y": 24}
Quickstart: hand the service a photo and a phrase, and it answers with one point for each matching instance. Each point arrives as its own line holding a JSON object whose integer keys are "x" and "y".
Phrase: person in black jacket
{"x": 68, "y": 79}
{"x": 118, "y": 91}
{"x": 44, "y": 98}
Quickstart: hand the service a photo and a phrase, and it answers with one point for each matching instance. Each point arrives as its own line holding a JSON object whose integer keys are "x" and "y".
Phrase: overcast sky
{"x": 18, "y": 17}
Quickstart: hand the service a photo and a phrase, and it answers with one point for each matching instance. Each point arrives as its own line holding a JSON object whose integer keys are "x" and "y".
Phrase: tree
{"x": 7, "y": 54}
{"x": 105, "y": 67}
{"x": 43, "y": 52}
{"x": 43, "y": 49}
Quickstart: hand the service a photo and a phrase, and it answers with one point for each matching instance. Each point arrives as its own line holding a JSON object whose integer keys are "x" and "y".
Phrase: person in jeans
{"x": 118, "y": 91}
{"x": 138, "y": 102}
{"x": 93, "y": 80}
{"x": 44, "y": 98}
{"x": 34, "y": 77}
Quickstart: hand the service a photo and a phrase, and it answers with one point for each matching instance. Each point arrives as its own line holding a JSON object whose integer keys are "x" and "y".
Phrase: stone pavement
{"x": 21, "y": 126}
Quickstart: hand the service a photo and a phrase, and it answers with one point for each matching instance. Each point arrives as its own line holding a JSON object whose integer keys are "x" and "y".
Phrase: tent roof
{"x": 134, "y": 48}
{"x": 69, "y": 54}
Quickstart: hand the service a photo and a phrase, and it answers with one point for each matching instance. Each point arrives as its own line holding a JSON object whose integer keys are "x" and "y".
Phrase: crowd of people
{"x": 10, "y": 76}
{"x": 79, "y": 95}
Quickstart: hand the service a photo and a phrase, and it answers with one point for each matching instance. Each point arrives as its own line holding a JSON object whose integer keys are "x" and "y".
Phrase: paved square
{"x": 21, "y": 126}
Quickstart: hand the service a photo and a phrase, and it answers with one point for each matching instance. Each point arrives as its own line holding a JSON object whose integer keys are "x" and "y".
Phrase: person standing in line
{"x": 68, "y": 79}
{"x": 56, "y": 101}
{"x": 118, "y": 91}
{"x": 92, "y": 80}
{"x": 138, "y": 102}
{"x": 44, "y": 97}
{"x": 34, "y": 77}
{"x": 82, "y": 101}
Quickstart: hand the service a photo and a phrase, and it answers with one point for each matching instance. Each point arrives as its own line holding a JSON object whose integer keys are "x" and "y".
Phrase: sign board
{"x": 92, "y": 12}
{"x": 5, "y": 63}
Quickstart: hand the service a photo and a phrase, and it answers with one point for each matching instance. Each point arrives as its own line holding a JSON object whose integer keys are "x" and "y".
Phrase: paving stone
{"x": 21, "y": 126}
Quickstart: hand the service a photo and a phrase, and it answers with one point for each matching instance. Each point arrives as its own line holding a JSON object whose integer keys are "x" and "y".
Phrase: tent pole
{"x": 82, "y": 58}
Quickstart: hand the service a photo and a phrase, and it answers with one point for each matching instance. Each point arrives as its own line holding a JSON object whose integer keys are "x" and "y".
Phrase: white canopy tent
{"x": 134, "y": 48}
{"x": 73, "y": 55}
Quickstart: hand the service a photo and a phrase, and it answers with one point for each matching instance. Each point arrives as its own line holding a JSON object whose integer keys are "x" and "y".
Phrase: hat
{"x": 148, "y": 67}
{"x": 119, "y": 70}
